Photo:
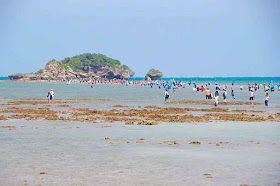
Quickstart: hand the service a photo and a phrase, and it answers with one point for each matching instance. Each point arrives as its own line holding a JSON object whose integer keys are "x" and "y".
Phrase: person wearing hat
{"x": 50, "y": 95}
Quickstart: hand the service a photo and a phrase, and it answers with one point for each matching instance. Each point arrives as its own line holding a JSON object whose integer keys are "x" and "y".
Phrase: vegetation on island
{"x": 154, "y": 71}
{"x": 87, "y": 60}
{"x": 87, "y": 65}
{"x": 154, "y": 74}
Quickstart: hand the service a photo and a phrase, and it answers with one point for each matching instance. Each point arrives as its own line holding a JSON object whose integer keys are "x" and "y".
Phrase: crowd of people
{"x": 252, "y": 87}
{"x": 173, "y": 85}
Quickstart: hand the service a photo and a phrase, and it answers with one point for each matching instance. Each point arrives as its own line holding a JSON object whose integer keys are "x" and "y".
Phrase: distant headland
{"x": 79, "y": 67}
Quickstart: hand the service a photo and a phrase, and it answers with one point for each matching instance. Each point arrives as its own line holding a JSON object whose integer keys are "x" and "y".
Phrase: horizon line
{"x": 199, "y": 76}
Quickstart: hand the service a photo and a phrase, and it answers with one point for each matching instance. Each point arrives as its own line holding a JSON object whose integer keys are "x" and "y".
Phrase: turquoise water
{"x": 220, "y": 79}
{"x": 4, "y": 78}
{"x": 210, "y": 79}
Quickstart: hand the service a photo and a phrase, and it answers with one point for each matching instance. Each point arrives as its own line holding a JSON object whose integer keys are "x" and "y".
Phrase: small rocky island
{"x": 154, "y": 74}
{"x": 79, "y": 67}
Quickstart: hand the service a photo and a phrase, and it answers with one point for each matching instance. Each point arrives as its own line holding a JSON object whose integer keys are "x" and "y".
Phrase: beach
{"x": 114, "y": 134}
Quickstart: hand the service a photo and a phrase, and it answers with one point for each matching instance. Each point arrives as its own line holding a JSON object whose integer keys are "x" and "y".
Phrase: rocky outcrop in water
{"x": 16, "y": 76}
{"x": 154, "y": 74}
{"x": 84, "y": 66}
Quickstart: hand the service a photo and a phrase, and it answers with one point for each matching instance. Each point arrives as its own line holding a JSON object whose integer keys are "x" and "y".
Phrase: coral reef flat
{"x": 106, "y": 138}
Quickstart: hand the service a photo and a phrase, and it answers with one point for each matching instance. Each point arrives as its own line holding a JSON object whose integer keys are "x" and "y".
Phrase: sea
{"x": 42, "y": 152}
{"x": 209, "y": 79}
{"x": 135, "y": 95}
{"x": 220, "y": 79}
{"x": 4, "y": 78}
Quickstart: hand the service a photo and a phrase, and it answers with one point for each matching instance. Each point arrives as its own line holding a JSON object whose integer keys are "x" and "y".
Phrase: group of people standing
{"x": 208, "y": 95}
{"x": 251, "y": 95}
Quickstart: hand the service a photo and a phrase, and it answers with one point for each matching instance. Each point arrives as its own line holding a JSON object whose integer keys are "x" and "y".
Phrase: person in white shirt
{"x": 50, "y": 95}
{"x": 266, "y": 99}
{"x": 216, "y": 98}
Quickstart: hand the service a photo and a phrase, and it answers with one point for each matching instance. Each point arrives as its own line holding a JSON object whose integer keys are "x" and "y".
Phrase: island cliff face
{"x": 79, "y": 67}
{"x": 154, "y": 74}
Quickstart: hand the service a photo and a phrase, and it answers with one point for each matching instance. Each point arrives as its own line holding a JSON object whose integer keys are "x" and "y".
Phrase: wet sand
{"x": 70, "y": 143}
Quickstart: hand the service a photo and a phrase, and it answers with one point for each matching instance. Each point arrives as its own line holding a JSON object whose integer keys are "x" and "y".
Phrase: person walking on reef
{"x": 50, "y": 95}
{"x": 166, "y": 96}
{"x": 251, "y": 93}
{"x": 266, "y": 99}
{"x": 225, "y": 95}
{"x": 207, "y": 94}
{"x": 216, "y": 98}
{"x": 232, "y": 93}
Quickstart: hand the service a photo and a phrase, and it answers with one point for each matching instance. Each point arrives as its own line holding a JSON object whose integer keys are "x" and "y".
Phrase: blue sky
{"x": 178, "y": 37}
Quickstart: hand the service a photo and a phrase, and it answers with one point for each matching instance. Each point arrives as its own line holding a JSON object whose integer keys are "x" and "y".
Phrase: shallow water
{"x": 130, "y": 95}
{"x": 81, "y": 156}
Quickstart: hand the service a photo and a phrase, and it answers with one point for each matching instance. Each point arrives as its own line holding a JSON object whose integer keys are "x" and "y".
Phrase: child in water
{"x": 266, "y": 99}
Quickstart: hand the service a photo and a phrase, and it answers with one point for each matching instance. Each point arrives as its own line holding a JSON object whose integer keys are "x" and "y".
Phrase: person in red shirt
{"x": 202, "y": 88}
